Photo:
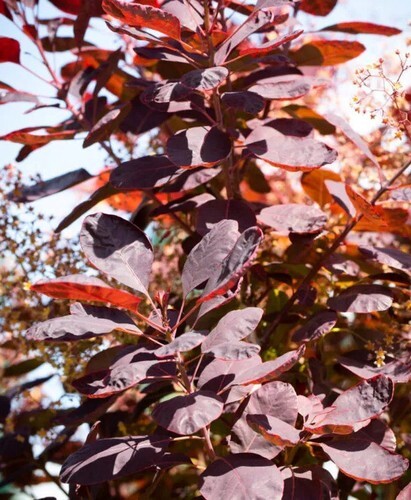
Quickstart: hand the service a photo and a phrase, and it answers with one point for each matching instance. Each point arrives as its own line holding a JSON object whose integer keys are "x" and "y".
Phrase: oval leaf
{"x": 327, "y": 52}
{"x": 198, "y": 147}
{"x": 293, "y": 218}
{"x": 9, "y": 50}
{"x": 204, "y": 79}
{"x": 118, "y": 248}
{"x": 362, "y": 299}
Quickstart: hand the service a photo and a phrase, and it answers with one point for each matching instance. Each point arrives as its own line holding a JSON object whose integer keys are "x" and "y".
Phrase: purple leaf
{"x": 183, "y": 343}
{"x": 316, "y": 327}
{"x": 234, "y": 350}
{"x": 111, "y": 458}
{"x": 204, "y": 79}
{"x": 118, "y": 248}
{"x": 235, "y": 325}
{"x": 188, "y": 414}
{"x": 103, "y": 129}
{"x": 242, "y": 476}
{"x": 213, "y": 211}
{"x": 274, "y": 430}
{"x": 283, "y": 87}
{"x": 362, "y": 299}
{"x": 147, "y": 172}
{"x": 405, "y": 493}
{"x": 234, "y": 265}
{"x": 51, "y": 186}
{"x": 186, "y": 180}
{"x": 364, "y": 460}
{"x": 206, "y": 257}
{"x": 270, "y": 369}
{"x": 289, "y": 152}
{"x": 398, "y": 370}
{"x": 190, "y": 15}
{"x": 293, "y": 218}
{"x": 246, "y": 101}
{"x": 198, "y": 147}
{"x": 308, "y": 482}
{"x": 389, "y": 256}
{"x": 358, "y": 404}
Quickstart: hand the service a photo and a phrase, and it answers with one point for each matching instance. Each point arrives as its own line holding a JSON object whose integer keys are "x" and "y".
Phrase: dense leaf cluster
{"x": 282, "y": 343}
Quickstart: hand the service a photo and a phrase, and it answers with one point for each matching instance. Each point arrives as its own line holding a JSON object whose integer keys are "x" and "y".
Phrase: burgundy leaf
{"x": 143, "y": 16}
{"x": 204, "y": 79}
{"x": 398, "y": 370}
{"x": 284, "y": 87}
{"x": 185, "y": 204}
{"x": 164, "y": 92}
{"x": 317, "y": 326}
{"x": 111, "y": 458}
{"x": 108, "y": 124}
{"x": 188, "y": 414}
{"x": 288, "y": 152}
{"x": 9, "y": 50}
{"x": 358, "y": 404}
{"x": 51, "y": 186}
{"x": 293, "y": 218}
{"x": 289, "y": 126}
{"x": 274, "y": 430}
{"x": 234, "y": 350}
{"x": 147, "y": 172}
{"x": 118, "y": 248}
{"x": 358, "y": 27}
{"x": 88, "y": 289}
{"x": 122, "y": 376}
{"x": 234, "y": 265}
{"x": 389, "y": 256}
{"x": 270, "y": 369}
{"x": 378, "y": 432}
{"x": 77, "y": 327}
{"x": 183, "y": 343}
{"x": 186, "y": 180}
{"x": 252, "y": 24}
{"x": 221, "y": 374}
{"x": 205, "y": 258}
{"x": 198, "y": 147}
{"x": 362, "y": 299}
{"x": 308, "y": 482}
{"x": 365, "y": 461}
{"x": 246, "y": 101}
{"x": 213, "y": 211}
{"x": 242, "y": 476}
{"x": 235, "y": 325}
{"x": 318, "y": 7}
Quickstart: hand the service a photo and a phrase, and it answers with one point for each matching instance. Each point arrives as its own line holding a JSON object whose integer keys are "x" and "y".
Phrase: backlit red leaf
{"x": 318, "y": 7}
{"x": 327, "y": 52}
{"x": 358, "y": 27}
{"x": 9, "y": 50}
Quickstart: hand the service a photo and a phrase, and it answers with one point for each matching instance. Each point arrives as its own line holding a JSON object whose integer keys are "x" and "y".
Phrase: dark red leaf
{"x": 317, "y": 326}
{"x": 118, "y": 248}
{"x": 389, "y": 256}
{"x": 99, "y": 321}
{"x": 205, "y": 258}
{"x": 9, "y": 50}
{"x": 286, "y": 87}
{"x": 399, "y": 370}
{"x": 143, "y": 16}
{"x": 241, "y": 476}
{"x": 288, "y": 152}
{"x": 293, "y": 218}
{"x": 198, "y": 147}
{"x": 365, "y": 461}
{"x": 234, "y": 265}
{"x": 183, "y": 343}
{"x": 186, "y": 180}
{"x": 204, "y": 79}
{"x": 251, "y": 25}
{"x": 188, "y": 414}
{"x": 25, "y": 136}
{"x": 234, "y": 326}
{"x": 308, "y": 482}
{"x": 147, "y": 172}
{"x": 185, "y": 204}
{"x": 246, "y": 101}
{"x": 86, "y": 288}
{"x": 103, "y": 129}
{"x": 4, "y": 10}
{"x": 362, "y": 299}
{"x": 318, "y": 7}
{"x": 327, "y": 52}
{"x": 274, "y": 430}
{"x": 356, "y": 405}
{"x": 358, "y": 27}
{"x": 269, "y": 46}
{"x": 111, "y": 458}
{"x": 378, "y": 432}
{"x": 270, "y": 369}
{"x": 51, "y": 186}
{"x": 213, "y": 211}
